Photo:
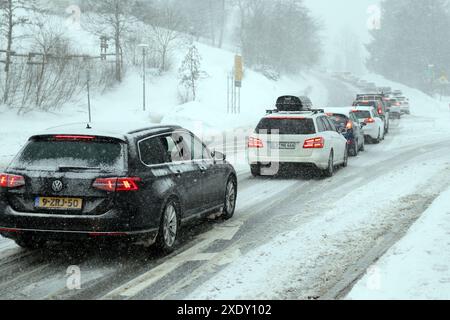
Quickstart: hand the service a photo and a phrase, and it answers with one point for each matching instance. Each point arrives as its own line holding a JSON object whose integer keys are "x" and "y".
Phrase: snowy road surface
{"x": 292, "y": 237}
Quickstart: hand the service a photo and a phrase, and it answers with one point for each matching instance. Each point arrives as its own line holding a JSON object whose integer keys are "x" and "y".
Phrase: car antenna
{"x": 88, "y": 126}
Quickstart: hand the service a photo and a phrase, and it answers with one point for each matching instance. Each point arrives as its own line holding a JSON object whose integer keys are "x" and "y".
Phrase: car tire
{"x": 169, "y": 227}
{"x": 345, "y": 164}
{"x": 255, "y": 170}
{"x": 329, "y": 172}
{"x": 229, "y": 206}
{"x": 363, "y": 146}
{"x": 378, "y": 140}
{"x": 354, "y": 150}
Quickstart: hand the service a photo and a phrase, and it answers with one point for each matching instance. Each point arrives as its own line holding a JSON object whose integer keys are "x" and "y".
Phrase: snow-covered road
{"x": 292, "y": 237}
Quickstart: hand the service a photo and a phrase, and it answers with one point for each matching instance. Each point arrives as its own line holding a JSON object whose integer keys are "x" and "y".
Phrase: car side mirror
{"x": 342, "y": 130}
{"x": 218, "y": 156}
{"x": 363, "y": 124}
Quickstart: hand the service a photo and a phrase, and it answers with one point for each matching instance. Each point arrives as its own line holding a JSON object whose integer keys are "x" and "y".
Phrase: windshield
{"x": 56, "y": 155}
{"x": 286, "y": 126}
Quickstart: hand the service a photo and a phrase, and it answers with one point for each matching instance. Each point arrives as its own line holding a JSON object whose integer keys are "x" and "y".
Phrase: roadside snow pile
{"x": 418, "y": 267}
{"x": 286, "y": 264}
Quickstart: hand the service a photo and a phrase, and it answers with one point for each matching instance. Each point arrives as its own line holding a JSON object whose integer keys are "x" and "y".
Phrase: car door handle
{"x": 178, "y": 173}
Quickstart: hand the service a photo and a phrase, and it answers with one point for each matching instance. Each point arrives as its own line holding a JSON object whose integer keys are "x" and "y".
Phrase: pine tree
{"x": 412, "y": 36}
{"x": 190, "y": 72}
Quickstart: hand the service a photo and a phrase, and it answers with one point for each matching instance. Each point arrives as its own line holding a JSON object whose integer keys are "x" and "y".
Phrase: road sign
{"x": 238, "y": 69}
{"x": 443, "y": 80}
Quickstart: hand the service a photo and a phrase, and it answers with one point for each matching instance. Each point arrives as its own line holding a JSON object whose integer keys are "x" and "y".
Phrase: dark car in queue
{"x": 134, "y": 185}
{"x": 347, "y": 123}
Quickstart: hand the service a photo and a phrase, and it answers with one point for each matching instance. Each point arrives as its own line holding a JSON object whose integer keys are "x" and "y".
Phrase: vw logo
{"x": 57, "y": 185}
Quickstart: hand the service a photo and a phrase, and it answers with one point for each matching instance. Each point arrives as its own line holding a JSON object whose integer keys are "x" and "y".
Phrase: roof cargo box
{"x": 292, "y": 104}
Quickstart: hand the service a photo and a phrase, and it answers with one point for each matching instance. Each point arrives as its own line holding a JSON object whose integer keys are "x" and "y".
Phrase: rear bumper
{"x": 14, "y": 224}
{"x": 371, "y": 131}
{"x": 318, "y": 158}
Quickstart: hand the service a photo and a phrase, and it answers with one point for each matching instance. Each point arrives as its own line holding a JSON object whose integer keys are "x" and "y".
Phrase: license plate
{"x": 284, "y": 145}
{"x": 58, "y": 203}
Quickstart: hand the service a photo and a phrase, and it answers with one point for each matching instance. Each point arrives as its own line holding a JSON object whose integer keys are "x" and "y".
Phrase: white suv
{"x": 373, "y": 125}
{"x": 302, "y": 137}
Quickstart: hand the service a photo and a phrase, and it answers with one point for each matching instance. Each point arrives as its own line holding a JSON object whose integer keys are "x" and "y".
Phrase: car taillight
{"x": 117, "y": 184}
{"x": 380, "y": 110}
{"x": 255, "y": 143}
{"x": 314, "y": 143}
{"x": 369, "y": 120}
{"x": 9, "y": 181}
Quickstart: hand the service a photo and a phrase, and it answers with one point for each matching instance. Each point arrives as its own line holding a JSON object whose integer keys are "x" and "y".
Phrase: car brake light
{"x": 314, "y": 143}
{"x": 369, "y": 120}
{"x": 117, "y": 184}
{"x": 11, "y": 181}
{"x": 74, "y": 138}
{"x": 255, "y": 143}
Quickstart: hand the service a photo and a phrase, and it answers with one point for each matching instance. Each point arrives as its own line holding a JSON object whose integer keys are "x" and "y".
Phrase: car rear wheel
{"x": 363, "y": 145}
{"x": 378, "y": 140}
{"x": 256, "y": 170}
{"x": 345, "y": 164}
{"x": 169, "y": 228}
{"x": 229, "y": 205}
{"x": 353, "y": 151}
{"x": 329, "y": 172}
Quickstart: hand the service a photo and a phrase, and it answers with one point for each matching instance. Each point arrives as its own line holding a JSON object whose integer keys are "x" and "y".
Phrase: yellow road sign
{"x": 238, "y": 68}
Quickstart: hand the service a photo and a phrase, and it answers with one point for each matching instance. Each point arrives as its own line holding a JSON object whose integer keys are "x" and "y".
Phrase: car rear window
{"x": 51, "y": 155}
{"x": 361, "y": 114}
{"x": 365, "y": 104}
{"x": 286, "y": 126}
{"x": 339, "y": 119}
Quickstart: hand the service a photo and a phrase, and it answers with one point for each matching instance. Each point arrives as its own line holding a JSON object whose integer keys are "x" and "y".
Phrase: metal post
{"x": 234, "y": 95}
{"x": 228, "y": 93}
{"x": 143, "y": 72}
{"x": 144, "y": 47}
{"x": 89, "y": 94}
{"x": 239, "y": 101}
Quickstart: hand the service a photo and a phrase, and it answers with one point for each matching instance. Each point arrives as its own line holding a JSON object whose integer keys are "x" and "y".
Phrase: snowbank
{"x": 418, "y": 267}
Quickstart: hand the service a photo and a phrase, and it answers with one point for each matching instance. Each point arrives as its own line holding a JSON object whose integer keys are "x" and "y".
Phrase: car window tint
{"x": 152, "y": 152}
{"x": 288, "y": 126}
{"x": 321, "y": 125}
{"x": 50, "y": 155}
{"x": 170, "y": 149}
{"x": 362, "y": 114}
{"x": 200, "y": 152}
{"x": 183, "y": 142}
{"x": 331, "y": 126}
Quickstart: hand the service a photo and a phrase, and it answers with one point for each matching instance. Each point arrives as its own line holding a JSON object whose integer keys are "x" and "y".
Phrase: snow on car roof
{"x": 117, "y": 130}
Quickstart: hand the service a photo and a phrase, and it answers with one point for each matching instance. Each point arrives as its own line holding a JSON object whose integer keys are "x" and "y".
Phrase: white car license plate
{"x": 283, "y": 145}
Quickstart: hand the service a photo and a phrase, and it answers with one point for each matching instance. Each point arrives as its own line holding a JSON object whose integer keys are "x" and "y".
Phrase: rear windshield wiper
{"x": 68, "y": 168}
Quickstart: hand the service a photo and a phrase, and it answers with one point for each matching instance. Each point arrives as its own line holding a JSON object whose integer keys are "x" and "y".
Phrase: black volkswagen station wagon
{"x": 93, "y": 182}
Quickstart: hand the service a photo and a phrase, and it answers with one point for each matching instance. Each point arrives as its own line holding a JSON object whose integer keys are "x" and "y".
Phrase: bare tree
{"x": 13, "y": 13}
{"x": 166, "y": 27}
{"x": 111, "y": 17}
